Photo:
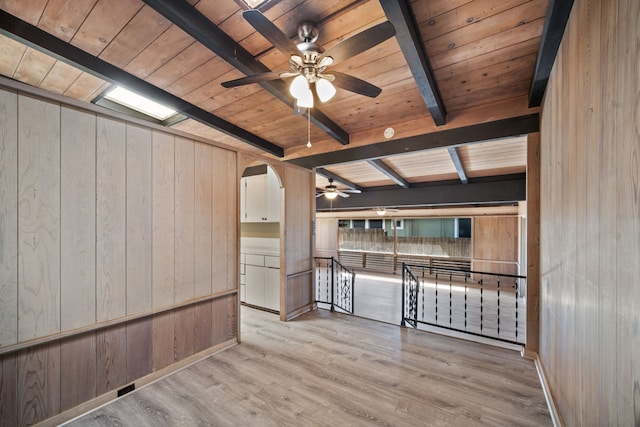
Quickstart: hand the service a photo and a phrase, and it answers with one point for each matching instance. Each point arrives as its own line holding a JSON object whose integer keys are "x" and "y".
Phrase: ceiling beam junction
{"x": 502, "y": 189}
{"x": 338, "y": 178}
{"x": 391, "y": 173}
{"x": 455, "y": 158}
{"x": 554, "y": 24}
{"x": 198, "y": 26}
{"x": 399, "y": 13}
{"x": 42, "y": 41}
{"x": 472, "y": 134}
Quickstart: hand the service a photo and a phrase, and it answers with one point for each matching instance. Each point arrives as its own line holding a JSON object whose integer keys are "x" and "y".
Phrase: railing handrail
{"x": 463, "y": 270}
{"x": 337, "y": 262}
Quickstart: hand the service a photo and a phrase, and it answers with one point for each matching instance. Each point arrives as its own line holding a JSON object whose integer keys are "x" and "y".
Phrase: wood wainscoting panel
{"x": 184, "y": 333}
{"x": 185, "y": 194}
{"x": 38, "y": 383}
{"x": 495, "y": 238}
{"x": 163, "y": 340}
{"x": 111, "y": 358}
{"x": 203, "y": 326}
{"x": 139, "y": 348}
{"x": 8, "y": 390}
{"x": 78, "y": 364}
{"x": 78, "y": 219}
{"x": 224, "y": 316}
{"x": 38, "y": 219}
{"x": 163, "y": 219}
{"x": 138, "y": 219}
{"x": 111, "y": 196}
{"x": 8, "y": 219}
{"x": 202, "y": 220}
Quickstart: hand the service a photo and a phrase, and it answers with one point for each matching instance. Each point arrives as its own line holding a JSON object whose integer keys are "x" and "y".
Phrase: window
{"x": 359, "y": 223}
{"x": 376, "y": 223}
{"x": 344, "y": 223}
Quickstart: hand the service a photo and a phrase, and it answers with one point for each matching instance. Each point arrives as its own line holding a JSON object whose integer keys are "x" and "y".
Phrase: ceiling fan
{"x": 308, "y": 62}
{"x": 331, "y": 191}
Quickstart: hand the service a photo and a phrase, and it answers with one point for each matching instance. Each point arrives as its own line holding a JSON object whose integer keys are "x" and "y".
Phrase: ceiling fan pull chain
{"x": 308, "y": 127}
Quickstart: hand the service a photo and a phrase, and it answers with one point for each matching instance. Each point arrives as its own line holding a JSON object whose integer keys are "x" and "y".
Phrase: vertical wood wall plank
{"x": 163, "y": 219}
{"x": 77, "y": 370}
{"x": 223, "y": 178}
{"x": 78, "y": 219}
{"x": 111, "y": 358}
{"x": 233, "y": 220}
{"x": 184, "y": 332}
{"x": 8, "y": 218}
{"x": 163, "y": 333}
{"x": 110, "y": 219}
{"x": 203, "y": 325}
{"x": 138, "y": 219}
{"x": 185, "y": 189}
{"x": 8, "y": 390}
{"x": 203, "y": 208}
{"x": 38, "y": 383}
{"x": 38, "y": 218}
{"x": 139, "y": 348}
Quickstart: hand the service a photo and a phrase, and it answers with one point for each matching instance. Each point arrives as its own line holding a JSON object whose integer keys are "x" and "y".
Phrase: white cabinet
{"x": 261, "y": 197}
{"x": 261, "y": 281}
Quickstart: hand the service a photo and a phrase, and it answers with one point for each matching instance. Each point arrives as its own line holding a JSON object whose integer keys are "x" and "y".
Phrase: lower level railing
{"x": 478, "y": 303}
{"x": 334, "y": 284}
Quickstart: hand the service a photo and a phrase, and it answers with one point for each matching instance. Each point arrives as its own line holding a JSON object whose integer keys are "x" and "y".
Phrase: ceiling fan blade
{"x": 257, "y": 78}
{"x": 341, "y": 194}
{"x": 270, "y": 32}
{"x": 355, "y": 84}
{"x": 360, "y": 42}
{"x": 353, "y": 191}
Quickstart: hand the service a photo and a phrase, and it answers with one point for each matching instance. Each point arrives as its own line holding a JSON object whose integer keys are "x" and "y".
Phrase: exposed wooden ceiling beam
{"x": 198, "y": 26}
{"x": 389, "y": 172}
{"x": 455, "y": 158}
{"x": 36, "y": 38}
{"x": 554, "y": 24}
{"x": 400, "y": 15}
{"x": 465, "y": 135}
{"x": 503, "y": 189}
{"x": 338, "y": 178}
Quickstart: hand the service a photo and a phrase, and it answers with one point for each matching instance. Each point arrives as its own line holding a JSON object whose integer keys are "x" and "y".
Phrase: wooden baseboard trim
{"x": 299, "y": 312}
{"x": 546, "y": 389}
{"x": 93, "y": 404}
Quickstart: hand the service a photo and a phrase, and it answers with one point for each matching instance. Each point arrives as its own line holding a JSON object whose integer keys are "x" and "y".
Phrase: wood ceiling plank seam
{"x": 210, "y": 35}
{"x": 58, "y": 49}
{"x": 412, "y": 46}
{"x": 17, "y": 51}
{"x": 50, "y": 21}
{"x": 29, "y": 11}
{"x": 65, "y": 77}
{"x": 494, "y": 94}
{"x": 436, "y": 8}
{"x": 467, "y": 14}
{"x": 521, "y": 33}
{"x": 337, "y": 179}
{"x": 194, "y": 55}
{"x": 34, "y": 67}
{"x": 495, "y": 25}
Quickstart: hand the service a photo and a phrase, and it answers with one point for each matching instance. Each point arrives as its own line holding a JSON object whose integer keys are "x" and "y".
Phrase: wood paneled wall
{"x": 299, "y": 214}
{"x": 590, "y": 217}
{"x": 327, "y": 237}
{"x": 495, "y": 244}
{"x": 118, "y": 253}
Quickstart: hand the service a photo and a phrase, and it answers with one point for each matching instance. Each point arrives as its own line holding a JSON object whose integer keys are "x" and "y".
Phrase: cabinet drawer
{"x": 272, "y": 261}
{"x": 252, "y": 259}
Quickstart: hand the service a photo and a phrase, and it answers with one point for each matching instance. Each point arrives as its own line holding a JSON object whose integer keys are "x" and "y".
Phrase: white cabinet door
{"x": 272, "y": 288}
{"x": 254, "y": 202}
{"x": 254, "y": 286}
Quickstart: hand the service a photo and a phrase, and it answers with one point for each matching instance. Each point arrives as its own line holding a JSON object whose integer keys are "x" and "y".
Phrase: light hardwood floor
{"x": 333, "y": 369}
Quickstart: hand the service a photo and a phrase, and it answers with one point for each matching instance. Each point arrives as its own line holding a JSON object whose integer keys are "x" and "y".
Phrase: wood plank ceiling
{"x": 479, "y": 54}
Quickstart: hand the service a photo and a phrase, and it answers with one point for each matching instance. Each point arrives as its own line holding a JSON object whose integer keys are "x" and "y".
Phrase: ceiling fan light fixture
{"x": 325, "y": 89}
{"x": 381, "y": 211}
{"x": 298, "y": 88}
{"x": 331, "y": 195}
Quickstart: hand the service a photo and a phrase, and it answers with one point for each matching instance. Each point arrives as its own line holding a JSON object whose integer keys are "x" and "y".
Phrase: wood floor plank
{"x": 332, "y": 369}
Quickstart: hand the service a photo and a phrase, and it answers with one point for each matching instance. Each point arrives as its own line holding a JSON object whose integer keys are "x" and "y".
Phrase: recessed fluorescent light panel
{"x": 139, "y": 103}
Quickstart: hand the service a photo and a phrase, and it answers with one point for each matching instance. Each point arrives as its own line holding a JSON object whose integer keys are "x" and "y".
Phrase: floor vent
{"x": 127, "y": 389}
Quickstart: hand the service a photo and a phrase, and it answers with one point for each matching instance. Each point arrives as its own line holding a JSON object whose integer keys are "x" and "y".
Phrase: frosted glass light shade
{"x": 306, "y": 100}
{"x": 325, "y": 90}
{"x": 331, "y": 195}
{"x": 298, "y": 87}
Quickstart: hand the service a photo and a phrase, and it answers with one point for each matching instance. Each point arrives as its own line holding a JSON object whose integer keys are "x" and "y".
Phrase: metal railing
{"x": 478, "y": 303}
{"x": 334, "y": 284}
